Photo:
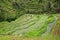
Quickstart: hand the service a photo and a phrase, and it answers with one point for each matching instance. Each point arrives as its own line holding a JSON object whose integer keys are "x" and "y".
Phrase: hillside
{"x": 38, "y": 19}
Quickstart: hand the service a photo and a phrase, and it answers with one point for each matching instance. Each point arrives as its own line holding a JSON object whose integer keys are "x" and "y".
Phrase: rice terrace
{"x": 29, "y": 19}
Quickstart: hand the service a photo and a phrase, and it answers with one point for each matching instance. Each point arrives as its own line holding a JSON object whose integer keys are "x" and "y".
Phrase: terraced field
{"x": 29, "y": 25}
{"x": 29, "y": 19}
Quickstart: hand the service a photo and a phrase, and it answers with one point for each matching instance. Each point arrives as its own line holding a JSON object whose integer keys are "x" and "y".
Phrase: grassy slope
{"x": 10, "y": 28}
{"x": 26, "y": 24}
{"x": 47, "y": 37}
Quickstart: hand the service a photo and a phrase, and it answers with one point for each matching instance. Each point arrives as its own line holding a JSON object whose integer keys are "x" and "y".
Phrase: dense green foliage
{"x": 35, "y": 17}
{"x": 12, "y": 9}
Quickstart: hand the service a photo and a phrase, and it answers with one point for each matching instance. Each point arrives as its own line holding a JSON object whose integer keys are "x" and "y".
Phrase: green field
{"x": 29, "y": 20}
{"x": 32, "y": 28}
{"x": 26, "y": 23}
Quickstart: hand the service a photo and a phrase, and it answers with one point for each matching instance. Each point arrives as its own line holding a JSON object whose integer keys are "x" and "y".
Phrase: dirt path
{"x": 56, "y": 30}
